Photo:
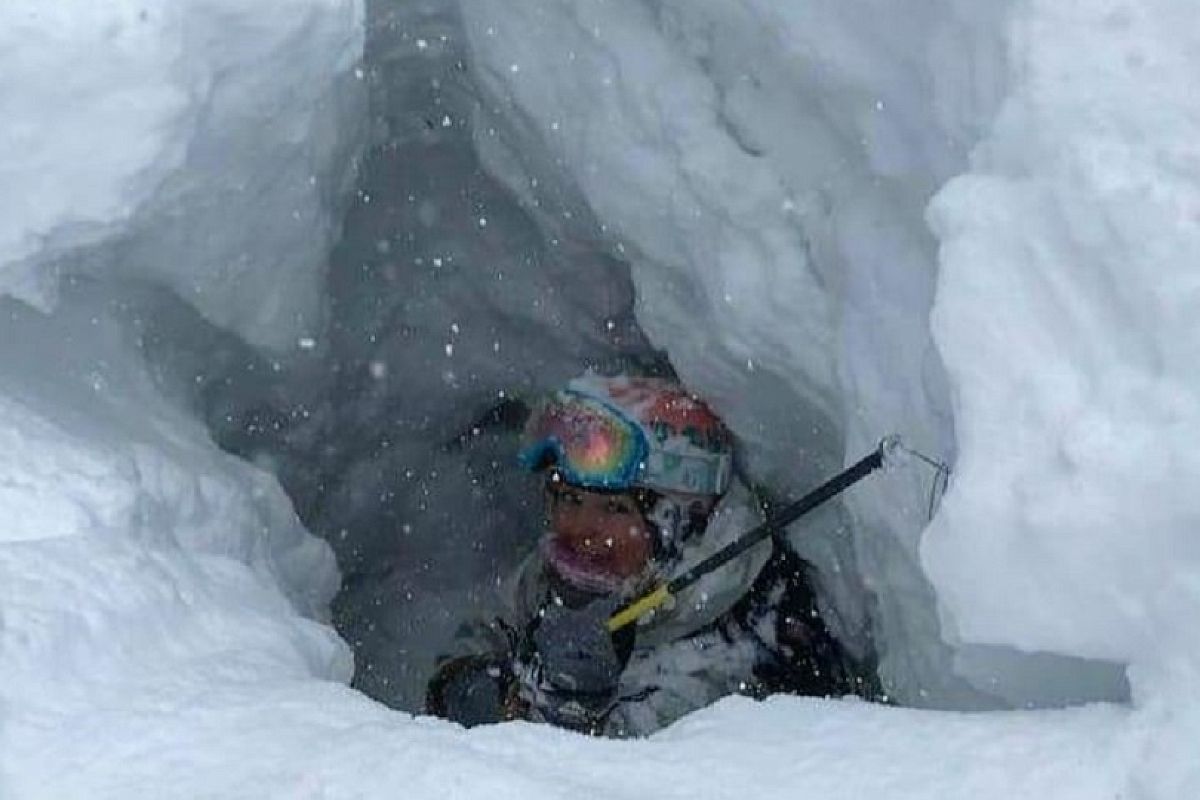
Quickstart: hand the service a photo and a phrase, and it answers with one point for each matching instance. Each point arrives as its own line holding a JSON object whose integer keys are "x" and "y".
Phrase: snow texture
{"x": 445, "y": 298}
{"x": 1068, "y": 314}
{"x": 764, "y": 169}
{"x": 319, "y": 740}
{"x": 138, "y": 563}
{"x": 134, "y": 130}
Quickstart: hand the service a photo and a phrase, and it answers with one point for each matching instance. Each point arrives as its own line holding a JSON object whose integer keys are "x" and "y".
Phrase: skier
{"x": 639, "y": 485}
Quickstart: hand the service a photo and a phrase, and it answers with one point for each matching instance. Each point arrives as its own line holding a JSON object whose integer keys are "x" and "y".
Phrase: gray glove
{"x": 576, "y": 651}
{"x": 472, "y": 690}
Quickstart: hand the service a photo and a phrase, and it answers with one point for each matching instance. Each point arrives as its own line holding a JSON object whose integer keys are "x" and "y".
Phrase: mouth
{"x": 592, "y": 571}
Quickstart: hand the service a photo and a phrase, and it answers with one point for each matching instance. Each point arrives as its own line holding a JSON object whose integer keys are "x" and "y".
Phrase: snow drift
{"x": 765, "y": 173}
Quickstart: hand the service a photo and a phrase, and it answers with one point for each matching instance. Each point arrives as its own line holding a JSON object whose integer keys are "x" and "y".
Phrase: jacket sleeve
{"x": 662, "y": 684}
{"x": 474, "y": 681}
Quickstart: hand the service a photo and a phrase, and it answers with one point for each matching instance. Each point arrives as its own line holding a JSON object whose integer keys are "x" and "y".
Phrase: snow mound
{"x": 137, "y": 562}
{"x": 1068, "y": 315}
{"x": 164, "y": 128}
{"x": 92, "y": 448}
{"x": 199, "y": 146}
{"x": 784, "y": 747}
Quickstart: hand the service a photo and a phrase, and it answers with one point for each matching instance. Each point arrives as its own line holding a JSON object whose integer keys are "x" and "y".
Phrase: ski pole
{"x": 789, "y": 514}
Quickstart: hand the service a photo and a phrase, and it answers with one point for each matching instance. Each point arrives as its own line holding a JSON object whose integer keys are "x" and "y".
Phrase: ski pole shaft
{"x": 789, "y": 514}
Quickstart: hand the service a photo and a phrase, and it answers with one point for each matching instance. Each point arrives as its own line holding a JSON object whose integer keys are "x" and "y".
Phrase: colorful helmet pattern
{"x": 621, "y": 433}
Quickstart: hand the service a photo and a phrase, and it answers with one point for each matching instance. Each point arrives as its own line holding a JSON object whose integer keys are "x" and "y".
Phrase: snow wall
{"x": 764, "y": 174}
{"x": 765, "y": 169}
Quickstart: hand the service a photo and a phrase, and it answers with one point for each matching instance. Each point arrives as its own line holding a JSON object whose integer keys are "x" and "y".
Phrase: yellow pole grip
{"x": 635, "y": 610}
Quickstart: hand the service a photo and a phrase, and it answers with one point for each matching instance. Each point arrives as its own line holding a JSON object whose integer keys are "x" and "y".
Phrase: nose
{"x": 580, "y": 527}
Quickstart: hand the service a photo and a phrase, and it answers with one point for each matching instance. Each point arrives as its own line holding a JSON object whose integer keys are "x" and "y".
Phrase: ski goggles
{"x": 597, "y": 446}
{"x": 590, "y": 443}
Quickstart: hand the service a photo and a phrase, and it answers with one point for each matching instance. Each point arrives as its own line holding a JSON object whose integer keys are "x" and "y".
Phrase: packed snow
{"x": 133, "y": 131}
{"x": 766, "y": 167}
{"x": 972, "y": 224}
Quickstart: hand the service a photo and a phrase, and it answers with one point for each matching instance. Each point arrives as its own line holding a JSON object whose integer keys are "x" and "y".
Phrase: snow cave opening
{"x": 259, "y": 295}
{"x": 470, "y": 271}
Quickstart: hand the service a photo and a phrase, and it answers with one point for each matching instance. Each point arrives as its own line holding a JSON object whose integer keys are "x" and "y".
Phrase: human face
{"x": 598, "y": 540}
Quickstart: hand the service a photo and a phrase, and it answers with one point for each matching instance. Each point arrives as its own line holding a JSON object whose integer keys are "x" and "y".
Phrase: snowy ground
{"x": 309, "y": 740}
{"x": 976, "y": 224}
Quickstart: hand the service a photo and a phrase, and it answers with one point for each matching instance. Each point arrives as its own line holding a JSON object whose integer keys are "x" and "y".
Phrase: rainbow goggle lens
{"x": 591, "y": 443}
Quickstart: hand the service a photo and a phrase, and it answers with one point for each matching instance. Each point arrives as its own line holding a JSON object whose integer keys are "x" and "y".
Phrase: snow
{"x": 764, "y": 168}
{"x": 138, "y": 563}
{"x": 133, "y": 129}
{"x": 973, "y": 223}
{"x": 433, "y": 319}
{"x": 1067, "y": 317}
{"x": 1069, "y": 248}
{"x": 789, "y": 746}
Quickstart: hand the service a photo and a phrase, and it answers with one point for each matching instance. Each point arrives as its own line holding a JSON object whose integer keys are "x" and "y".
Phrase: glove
{"x": 578, "y": 666}
{"x": 576, "y": 651}
{"x": 471, "y": 690}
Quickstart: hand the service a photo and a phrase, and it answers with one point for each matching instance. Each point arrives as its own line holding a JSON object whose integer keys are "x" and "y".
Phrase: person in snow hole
{"x": 639, "y": 485}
